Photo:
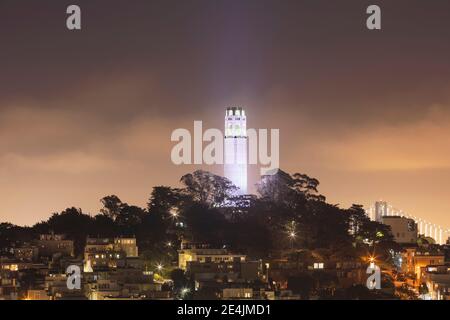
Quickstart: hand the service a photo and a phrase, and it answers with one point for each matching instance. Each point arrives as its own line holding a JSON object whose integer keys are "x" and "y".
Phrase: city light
{"x": 184, "y": 292}
{"x": 291, "y": 230}
{"x": 174, "y": 213}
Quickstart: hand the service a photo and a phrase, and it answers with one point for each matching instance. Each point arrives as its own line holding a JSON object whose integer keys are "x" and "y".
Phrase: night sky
{"x": 84, "y": 114}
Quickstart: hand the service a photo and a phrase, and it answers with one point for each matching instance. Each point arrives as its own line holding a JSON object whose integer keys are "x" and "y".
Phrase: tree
{"x": 179, "y": 279}
{"x": 315, "y": 233}
{"x": 207, "y": 188}
{"x": 105, "y": 226}
{"x": 206, "y": 224}
{"x": 163, "y": 199}
{"x": 10, "y": 233}
{"x": 74, "y": 224}
{"x": 363, "y": 228}
{"x": 130, "y": 216}
{"x": 111, "y": 206}
{"x": 277, "y": 188}
{"x": 358, "y": 221}
{"x": 307, "y": 186}
{"x": 301, "y": 284}
{"x": 285, "y": 189}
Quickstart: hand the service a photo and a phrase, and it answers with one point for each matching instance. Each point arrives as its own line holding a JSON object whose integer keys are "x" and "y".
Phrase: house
{"x": 50, "y": 244}
{"x": 204, "y": 254}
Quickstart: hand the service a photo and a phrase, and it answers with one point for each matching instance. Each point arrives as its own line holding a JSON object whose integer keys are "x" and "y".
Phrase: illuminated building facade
{"x": 235, "y": 167}
{"x": 403, "y": 229}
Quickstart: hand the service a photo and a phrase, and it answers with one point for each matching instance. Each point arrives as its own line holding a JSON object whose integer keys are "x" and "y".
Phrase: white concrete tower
{"x": 235, "y": 167}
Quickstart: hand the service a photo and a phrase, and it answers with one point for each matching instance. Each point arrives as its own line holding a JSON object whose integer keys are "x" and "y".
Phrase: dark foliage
{"x": 289, "y": 214}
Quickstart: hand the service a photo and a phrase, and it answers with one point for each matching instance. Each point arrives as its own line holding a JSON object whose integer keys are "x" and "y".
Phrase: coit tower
{"x": 235, "y": 167}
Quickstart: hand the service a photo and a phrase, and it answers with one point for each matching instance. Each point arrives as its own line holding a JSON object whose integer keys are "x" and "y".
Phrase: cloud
{"x": 67, "y": 163}
{"x": 424, "y": 144}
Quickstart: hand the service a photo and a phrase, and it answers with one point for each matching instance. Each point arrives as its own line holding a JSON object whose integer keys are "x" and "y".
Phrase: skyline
{"x": 88, "y": 114}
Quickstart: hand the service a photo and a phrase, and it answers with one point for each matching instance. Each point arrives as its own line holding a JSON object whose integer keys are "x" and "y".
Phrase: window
{"x": 14, "y": 267}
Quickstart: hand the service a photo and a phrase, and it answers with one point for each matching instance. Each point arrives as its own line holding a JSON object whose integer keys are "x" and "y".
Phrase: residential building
{"x": 109, "y": 253}
{"x": 50, "y": 244}
{"x": 437, "y": 280}
{"x": 416, "y": 260}
{"x": 237, "y": 293}
{"x": 26, "y": 253}
{"x": 38, "y": 294}
{"x": 403, "y": 229}
{"x": 202, "y": 253}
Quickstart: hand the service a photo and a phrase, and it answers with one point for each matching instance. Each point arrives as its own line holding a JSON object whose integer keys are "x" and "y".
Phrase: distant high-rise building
{"x": 381, "y": 209}
{"x": 235, "y": 166}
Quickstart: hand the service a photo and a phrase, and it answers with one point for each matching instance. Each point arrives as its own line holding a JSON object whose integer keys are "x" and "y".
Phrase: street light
{"x": 174, "y": 213}
{"x": 292, "y": 235}
{"x": 184, "y": 292}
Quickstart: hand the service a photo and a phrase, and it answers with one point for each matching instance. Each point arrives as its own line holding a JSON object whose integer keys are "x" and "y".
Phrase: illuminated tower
{"x": 235, "y": 166}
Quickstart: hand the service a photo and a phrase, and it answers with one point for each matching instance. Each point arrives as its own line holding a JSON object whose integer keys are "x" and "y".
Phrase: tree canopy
{"x": 288, "y": 214}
